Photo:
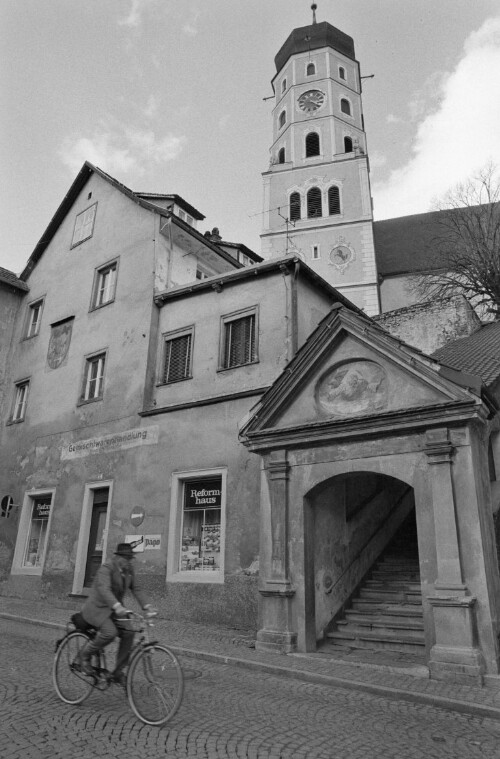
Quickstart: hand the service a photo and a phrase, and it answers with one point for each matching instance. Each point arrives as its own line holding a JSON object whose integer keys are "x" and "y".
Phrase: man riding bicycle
{"x": 104, "y": 609}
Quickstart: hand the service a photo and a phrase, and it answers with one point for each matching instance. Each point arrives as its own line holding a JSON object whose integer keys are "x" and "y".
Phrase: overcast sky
{"x": 167, "y": 96}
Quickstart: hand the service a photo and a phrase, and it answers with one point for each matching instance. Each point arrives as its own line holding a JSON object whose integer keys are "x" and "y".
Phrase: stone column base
{"x": 276, "y": 641}
{"x": 455, "y": 657}
{"x": 458, "y": 665}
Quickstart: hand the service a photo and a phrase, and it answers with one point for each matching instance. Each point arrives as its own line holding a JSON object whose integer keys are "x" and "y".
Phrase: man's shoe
{"x": 120, "y": 678}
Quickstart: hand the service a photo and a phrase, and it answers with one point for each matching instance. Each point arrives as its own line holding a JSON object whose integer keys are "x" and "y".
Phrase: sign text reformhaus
{"x": 109, "y": 443}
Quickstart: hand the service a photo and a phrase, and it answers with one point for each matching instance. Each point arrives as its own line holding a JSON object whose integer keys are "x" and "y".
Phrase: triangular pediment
{"x": 350, "y": 370}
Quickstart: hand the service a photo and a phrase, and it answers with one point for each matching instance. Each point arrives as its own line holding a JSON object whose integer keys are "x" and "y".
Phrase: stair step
{"x": 411, "y": 629}
{"x": 393, "y": 585}
{"x": 375, "y": 640}
{"x": 412, "y": 616}
{"x": 384, "y": 594}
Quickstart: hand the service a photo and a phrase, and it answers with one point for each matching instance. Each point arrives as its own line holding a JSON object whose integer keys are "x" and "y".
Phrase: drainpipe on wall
{"x": 295, "y": 310}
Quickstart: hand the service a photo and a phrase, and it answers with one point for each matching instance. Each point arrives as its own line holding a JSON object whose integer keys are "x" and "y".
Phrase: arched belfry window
{"x": 312, "y": 144}
{"x": 345, "y": 106}
{"x": 314, "y": 203}
{"x": 282, "y": 119}
{"x": 294, "y": 206}
{"x": 281, "y": 155}
{"x": 348, "y": 144}
{"x": 333, "y": 200}
{"x": 311, "y": 69}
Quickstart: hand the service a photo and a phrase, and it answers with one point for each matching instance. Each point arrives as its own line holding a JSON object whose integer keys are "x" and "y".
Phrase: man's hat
{"x": 124, "y": 549}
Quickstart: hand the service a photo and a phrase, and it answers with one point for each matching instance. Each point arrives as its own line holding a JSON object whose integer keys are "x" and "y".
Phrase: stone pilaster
{"x": 454, "y": 655}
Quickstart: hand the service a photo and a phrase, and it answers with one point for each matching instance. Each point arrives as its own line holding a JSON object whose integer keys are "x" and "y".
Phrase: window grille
{"x": 239, "y": 342}
{"x": 312, "y": 144}
{"x": 333, "y": 200}
{"x": 345, "y": 106}
{"x": 177, "y": 364}
{"x": 94, "y": 378}
{"x": 314, "y": 203}
{"x": 84, "y": 225}
{"x": 294, "y": 206}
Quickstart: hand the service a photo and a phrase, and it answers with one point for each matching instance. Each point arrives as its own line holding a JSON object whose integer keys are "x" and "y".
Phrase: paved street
{"x": 226, "y": 712}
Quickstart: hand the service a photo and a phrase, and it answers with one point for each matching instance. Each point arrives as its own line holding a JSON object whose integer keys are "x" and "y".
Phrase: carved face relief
{"x": 353, "y": 387}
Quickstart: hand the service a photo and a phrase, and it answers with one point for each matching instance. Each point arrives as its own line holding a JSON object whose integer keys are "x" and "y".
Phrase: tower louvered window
{"x": 294, "y": 206}
{"x": 239, "y": 342}
{"x": 312, "y": 144}
{"x": 345, "y": 106}
{"x": 333, "y": 200}
{"x": 314, "y": 203}
{"x": 177, "y": 365}
{"x": 311, "y": 69}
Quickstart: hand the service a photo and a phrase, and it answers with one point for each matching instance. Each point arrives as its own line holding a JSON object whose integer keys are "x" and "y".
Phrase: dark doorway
{"x": 96, "y": 535}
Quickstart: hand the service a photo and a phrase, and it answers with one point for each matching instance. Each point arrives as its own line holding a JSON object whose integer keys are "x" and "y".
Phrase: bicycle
{"x": 154, "y": 680}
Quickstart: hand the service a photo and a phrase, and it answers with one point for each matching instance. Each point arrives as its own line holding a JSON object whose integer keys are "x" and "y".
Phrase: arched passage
{"x": 349, "y": 520}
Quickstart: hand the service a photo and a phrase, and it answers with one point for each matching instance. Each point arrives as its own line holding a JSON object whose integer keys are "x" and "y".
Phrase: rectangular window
{"x": 93, "y": 383}
{"x": 201, "y": 273}
{"x": 104, "y": 285}
{"x": 315, "y": 252}
{"x": 84, "y": 225}
{"x": 20, "y": 401}
{"x": 201, "y": 525}
{"x": 36, "y": 542}
{"x": 177, "y": 356}
{"x": 34, "y": 318}
{"x": 239, "y": 346}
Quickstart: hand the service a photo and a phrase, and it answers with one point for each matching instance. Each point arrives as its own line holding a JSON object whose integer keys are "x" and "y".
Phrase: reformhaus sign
{"x": 119, "y": 441}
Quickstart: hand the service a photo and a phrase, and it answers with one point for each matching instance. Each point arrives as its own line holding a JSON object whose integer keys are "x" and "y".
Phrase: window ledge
{"x": 173, "y": 382}
{"x": 202, "y": 578}
{"x": 239, "y": 366}
{"x": 83, "y": 402}
{"x": 26, "y": 571}
{"x": 9, "y": 422}
{"x": 103, "y": 305}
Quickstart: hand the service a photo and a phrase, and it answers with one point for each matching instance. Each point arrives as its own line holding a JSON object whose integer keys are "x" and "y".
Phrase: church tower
{"x": 317, "y": 200}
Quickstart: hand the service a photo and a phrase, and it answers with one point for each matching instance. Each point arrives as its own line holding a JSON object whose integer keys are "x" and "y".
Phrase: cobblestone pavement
{"x": 227, "y": 712}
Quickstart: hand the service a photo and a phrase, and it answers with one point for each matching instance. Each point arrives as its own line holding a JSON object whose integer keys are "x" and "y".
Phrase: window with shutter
{"x": 177, "y": 362}
{"x": 84, "y": 225}
{"x": 345, "y": 106}
{"x": 333, "y": 200}
{"x": 312, "y": 144}
{"x": 294, "y": 206}
{"x": 314, "y": 203}
{"x": 239, "y": 341}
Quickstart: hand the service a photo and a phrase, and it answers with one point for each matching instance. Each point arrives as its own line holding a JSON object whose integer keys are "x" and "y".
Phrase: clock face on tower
{"x": 310, "y": 101}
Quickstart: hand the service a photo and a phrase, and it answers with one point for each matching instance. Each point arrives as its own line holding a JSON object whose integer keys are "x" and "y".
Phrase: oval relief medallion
{"x": 353, "y": 387}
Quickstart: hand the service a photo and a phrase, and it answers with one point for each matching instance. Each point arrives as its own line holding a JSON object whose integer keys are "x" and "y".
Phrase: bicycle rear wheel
{"x": 71, "y": 685}
{"x": 155, "y": 684}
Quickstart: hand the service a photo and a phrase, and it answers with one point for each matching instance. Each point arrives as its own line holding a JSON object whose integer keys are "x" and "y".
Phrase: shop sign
{"x": 41, "y": 510}
{"x": 137, "y": 516}
{"x": 110, "y": 443}
{"x": 203, "y": 494}
{"x": 142, "y": 543}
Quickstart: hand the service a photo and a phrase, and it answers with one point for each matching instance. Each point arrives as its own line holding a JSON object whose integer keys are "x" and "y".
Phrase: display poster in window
{"x": 60, "y": 338}
{"x": 201, "y": 529}
{"x": 41, "y": 510}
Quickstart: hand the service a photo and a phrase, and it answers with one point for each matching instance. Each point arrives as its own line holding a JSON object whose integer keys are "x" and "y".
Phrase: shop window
{"x": 294, "y": 206}
{"x": 177, "y": 356}
{"x": 34, "y": 318}
{"x": 239, "y": 345}
{"x": 84, "y": 225}
{"x": 197, "y": 521}
{"x": 20, "y": 401}
{"x": 348, "y": 144}
{"x": 93, "y": 381}
{"x": 314, "y": 206}
{"x": 34, "y": 550}
{"x": 282, "y": 119}
{"x": 311, "y": 69}
{"x": 312, "y": 144}
{"x": 333, "y": 200}
{"x": 345, "y": 106}
{"x": 104, "y": 285}
{"x": 281, "y": 155}
{"x": 341, "y": 72}
{"x": 6, "y": 505}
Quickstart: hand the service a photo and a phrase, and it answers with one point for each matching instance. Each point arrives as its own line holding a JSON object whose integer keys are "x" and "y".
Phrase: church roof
{"x": 477, "y": 354}
{"x": 313, "y": 37}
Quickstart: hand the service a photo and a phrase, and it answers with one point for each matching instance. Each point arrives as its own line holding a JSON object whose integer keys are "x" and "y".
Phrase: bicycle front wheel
{"x": 155, "y": 684}
{"x": 71, "y": 685}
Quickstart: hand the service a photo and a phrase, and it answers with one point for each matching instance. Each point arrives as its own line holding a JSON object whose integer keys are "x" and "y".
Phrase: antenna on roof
{"x": 313, "y": 8}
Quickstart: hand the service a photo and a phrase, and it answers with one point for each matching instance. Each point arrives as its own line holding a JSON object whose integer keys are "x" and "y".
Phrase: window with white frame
{"x": 93, "y": 379}
{"x": 84, "y": 225}
{"x": 36, "y": 538}
{"x": 104, "y": 285}
{"x": 177, "y": 356}
{"x": 197, "y": 526}
{"x": 239, "y": 344}
{"x": 20, "y": 400}
{"x": 34, "y": 318}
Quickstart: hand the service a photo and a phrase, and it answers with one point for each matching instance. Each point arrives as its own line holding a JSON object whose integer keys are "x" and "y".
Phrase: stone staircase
{"x": 386, "y": 612}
